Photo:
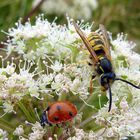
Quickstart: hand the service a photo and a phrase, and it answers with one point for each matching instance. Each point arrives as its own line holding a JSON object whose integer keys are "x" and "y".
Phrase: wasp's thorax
{"x": 104, "y": 69}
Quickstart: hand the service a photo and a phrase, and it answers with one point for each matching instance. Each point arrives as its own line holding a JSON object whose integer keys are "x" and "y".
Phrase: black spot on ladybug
{"x": 56, "y": 118}
{"x": 70, "y": 113}
{"x": 58, "y": 107}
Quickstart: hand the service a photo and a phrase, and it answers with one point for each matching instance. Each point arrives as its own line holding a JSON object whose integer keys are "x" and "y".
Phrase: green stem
{"x": 7, "y": 128}
{"x": 87, "y": 120}
{"x": 3, "y": 121}
{"x": 84, "y": 105}
{"x": 62, "y": 97}
{"x": 32, "y": 111}
{"x": 100, "y": 101}
{"x": 39, "y": 64}
{"x": 26, "y": 112}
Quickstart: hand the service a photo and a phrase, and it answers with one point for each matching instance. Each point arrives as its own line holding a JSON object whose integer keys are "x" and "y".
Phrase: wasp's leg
{"x": 91, "y": 85}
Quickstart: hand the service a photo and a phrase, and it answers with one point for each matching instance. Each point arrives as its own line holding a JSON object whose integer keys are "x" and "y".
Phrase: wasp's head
{"x": 107, "y": 78}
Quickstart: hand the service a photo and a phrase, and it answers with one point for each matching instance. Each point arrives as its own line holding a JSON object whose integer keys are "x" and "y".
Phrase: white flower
{"x": 45, "y": 80}
{"x": 38, "y": 132}
{"x": 22, "y": 138}
{"x": 75, "y": 84}
{"x": 114, "y": 108}
{"x": 19, "y": 130}
{"x": 3, "y": 135}
{"x": 8, "y": 107}
{"x": 61, "y": 84}
{"x": 80, "y": 134}
{"x": 110, "y": 133}
{"x": 123, "y": 50}
{"x": 57, "y": 66}
{"x": 124, "y": 104}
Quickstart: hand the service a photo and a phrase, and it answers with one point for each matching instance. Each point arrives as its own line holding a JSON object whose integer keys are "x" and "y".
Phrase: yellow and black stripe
{"x": 97, "y": 44}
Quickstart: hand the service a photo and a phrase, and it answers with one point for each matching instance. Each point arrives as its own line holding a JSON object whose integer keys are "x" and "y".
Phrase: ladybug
{"x": 58, "y": 112}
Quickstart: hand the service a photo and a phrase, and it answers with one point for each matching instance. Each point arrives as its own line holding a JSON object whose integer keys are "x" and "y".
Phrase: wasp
{"x": 98, "y": 45}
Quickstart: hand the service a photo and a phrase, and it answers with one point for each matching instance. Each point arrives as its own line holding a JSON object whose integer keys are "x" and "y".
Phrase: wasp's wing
{"x": 86, "y": 42}
{"x": 106, "y": 41}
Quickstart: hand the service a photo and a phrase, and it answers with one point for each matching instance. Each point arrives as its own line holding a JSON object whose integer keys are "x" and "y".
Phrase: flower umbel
{"x": 51, "y": 65}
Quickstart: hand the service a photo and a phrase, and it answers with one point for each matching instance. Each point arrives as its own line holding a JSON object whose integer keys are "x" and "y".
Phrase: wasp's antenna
{"x": 127, "y": 82}
{"x": 37, "y": 114}
{"x": 110, "y": 97}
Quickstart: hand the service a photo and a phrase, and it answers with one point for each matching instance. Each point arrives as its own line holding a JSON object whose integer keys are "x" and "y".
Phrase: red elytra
{"x": 61, "y": 111}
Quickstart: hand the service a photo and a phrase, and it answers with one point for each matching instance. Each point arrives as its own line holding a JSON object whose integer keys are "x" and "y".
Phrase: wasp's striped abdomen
{"x": 97, "y": 44}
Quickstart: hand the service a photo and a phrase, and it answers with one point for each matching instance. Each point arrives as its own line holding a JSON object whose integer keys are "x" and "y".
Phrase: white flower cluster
{"x": 36, "y": 134}
{"x": 122, "y": 122}
{"x": 42, "y": 40}
{"x": 74, "y": 8}
{"x": 19, "y": 130}
{"x": 61, "y": 68}
{"x": 3, "y": 135}
{"x": 56, "y": 45}
{"x": 14, "y": 85}
{"x": 69, "y": 79}
{"x": 80, "y": 134}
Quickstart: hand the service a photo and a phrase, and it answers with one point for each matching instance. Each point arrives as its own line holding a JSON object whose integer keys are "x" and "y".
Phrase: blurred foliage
{"x": 116, "y": 15}
{"x": 11, "y": 11}
{"x": 120, "y": 16}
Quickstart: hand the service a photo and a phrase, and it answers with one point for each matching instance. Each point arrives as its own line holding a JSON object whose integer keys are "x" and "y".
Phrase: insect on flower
{"x": 99, "y": 47}
{"x": 58, "y": 112}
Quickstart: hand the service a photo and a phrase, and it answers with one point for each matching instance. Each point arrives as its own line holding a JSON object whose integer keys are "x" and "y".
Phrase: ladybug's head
{"x": 44, "y": 120}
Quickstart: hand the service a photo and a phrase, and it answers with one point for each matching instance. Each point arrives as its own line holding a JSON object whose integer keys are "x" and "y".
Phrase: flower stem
{"x": 85, "y": 104}
{"x": 6, "y": 127}
{"x": 32, "y": 11}
{"x": 87, "y": 120}
{"x": 62, "y": 97}
{"x": 26, "y": 112}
